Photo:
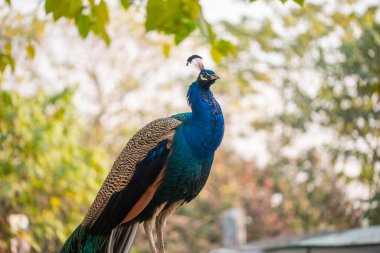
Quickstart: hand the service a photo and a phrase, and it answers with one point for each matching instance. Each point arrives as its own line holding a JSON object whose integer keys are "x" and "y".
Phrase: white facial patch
{"x": 204, "y": 77}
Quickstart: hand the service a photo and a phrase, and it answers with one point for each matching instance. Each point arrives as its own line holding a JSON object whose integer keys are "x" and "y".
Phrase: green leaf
{"x": 7, "y": 48}
{"x": 225, "y": 47}
{"x": 6, "y": 99}
{"x": 126, "y": 3}
{"x": 57, "y": 7}
{"x": 216, "y": 55}
{"x": 105, "y": 36}
{"x": 49, "y": 6}
{"x": 30, "y": 51}
{"x": 6, "y": 58}
{"x": 8, "y": 2}
{"x": 73, "y": 7}
{"x": 221, "y": 48}
{"x": 101, "y": 18}
{"x": 11, "y": 62}
{"x": 63, "y": 8}
{"x": 101, "y": 13}
{"x": 166, "y": 50}
{"x": 83, "y": 24}
{"x": 3, "y": 62}
{"x": 299, "y": 2}
{"x": 176, "y": 17}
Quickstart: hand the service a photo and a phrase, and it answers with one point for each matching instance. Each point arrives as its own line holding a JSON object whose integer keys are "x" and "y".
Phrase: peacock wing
{"x": 135, "y": 172}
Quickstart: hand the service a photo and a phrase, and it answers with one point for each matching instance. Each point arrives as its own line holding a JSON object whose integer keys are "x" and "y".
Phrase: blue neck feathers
{"x": 204, "y": 129}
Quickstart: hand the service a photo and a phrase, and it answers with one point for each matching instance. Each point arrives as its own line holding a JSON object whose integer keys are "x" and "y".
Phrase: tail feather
{"x": 82, "y": 242}
{"x": 118, "y": 241}
{"x": 121, "y": 238}
{"x": 74, "y": 241}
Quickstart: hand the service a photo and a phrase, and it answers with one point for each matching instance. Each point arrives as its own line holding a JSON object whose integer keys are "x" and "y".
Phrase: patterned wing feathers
{"x": 125, "y": 164}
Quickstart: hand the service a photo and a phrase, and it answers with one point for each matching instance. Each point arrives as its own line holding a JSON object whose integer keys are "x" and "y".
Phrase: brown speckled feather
{"x": 125, "y": 164}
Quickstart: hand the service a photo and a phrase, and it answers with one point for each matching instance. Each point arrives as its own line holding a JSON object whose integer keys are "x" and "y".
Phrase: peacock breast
{"x": 186, "y": 173}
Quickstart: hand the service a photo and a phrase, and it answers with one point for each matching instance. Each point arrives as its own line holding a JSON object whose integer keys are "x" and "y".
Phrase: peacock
{"x": 164, "y": 165}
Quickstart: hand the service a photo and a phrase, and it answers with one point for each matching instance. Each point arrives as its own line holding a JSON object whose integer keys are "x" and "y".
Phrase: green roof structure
{"x": 357, "y": 236}
{"x": 351, "y": 237}
{"x": 357, "y": 240}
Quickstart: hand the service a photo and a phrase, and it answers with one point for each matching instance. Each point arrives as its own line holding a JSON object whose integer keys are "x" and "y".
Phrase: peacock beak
{"x": 214, "y": 77}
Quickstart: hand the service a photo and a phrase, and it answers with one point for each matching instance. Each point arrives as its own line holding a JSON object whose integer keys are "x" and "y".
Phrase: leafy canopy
{"x": 178, "y": 18}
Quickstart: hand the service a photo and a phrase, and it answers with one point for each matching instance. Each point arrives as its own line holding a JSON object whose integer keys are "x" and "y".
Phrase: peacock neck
{"x": 204, "y": 130}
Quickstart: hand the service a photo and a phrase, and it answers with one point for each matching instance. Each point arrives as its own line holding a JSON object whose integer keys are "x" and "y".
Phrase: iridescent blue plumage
{"x": 204, "y": 129}
{"x": 194, "y": 144}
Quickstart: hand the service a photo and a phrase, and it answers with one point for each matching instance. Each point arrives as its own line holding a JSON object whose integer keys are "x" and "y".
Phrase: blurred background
{"x": 300, "y": 87}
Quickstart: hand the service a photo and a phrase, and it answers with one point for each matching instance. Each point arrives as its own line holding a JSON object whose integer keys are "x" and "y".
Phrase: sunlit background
{"x": 299, "y": 89}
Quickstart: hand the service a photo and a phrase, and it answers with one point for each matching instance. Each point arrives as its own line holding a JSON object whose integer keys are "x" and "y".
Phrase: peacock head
{"x": 206, "y": 77}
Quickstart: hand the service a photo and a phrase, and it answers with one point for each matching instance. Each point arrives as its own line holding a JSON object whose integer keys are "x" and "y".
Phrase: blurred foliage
{"x": 341, "y": 50}
{"x": 46, "y": 173}
{"x": 91, "y": 17}
{"x": 354, "y": 111}
{"x": 27, "y": 29}
{"x": 304, "y": 198}
{"x": 347, "y": 102}
{"x": 172, "y": 17}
